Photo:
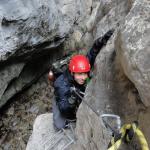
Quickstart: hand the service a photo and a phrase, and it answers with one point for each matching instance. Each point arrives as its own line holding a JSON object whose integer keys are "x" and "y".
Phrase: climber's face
{"x": 80, "y": 78}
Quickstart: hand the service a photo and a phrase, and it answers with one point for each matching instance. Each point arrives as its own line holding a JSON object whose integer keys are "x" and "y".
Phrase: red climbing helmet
{"x": 79, "y": 63}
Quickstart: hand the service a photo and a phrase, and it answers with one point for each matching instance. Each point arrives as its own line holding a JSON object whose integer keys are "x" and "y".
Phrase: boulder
{"x": 133, "y": 42}
{"x": 7, "y": 75}
{"x": 29, "y": 31}
{"x": 32, "y": 34}
{"x": 26, "y": 25}
{"x": 44, "y": 136}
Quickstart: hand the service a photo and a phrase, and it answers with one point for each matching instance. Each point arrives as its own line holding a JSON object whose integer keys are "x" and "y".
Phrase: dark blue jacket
{"x": 63, "y": 93}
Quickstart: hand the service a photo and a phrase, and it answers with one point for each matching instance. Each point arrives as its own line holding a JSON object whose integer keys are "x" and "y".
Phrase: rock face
{"x": 16, "y": 121}
{"x": 133, "y": 47}
{"x": 25, "y": 25}
{"x": 44, "y": 135}
{"x": 7, "y": 74}
{"x": 41, "y": 133}
{"x": 120, "y": 83}
{"x": 30, "y": 33}
{"x": 27, "y": 29}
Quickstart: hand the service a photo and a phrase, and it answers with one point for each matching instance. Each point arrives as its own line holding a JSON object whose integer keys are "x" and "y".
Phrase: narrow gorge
{"x": 34, "y": 34}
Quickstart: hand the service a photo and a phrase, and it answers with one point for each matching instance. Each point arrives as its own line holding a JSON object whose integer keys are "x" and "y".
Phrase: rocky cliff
{"x": 121, "y": 82}
{"x": 32, "y": 31}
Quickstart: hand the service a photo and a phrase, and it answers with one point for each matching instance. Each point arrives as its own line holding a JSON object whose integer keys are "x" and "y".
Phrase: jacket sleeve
{"x": 62, "y": 93}
{"x": 97, "y": 46}
{"x": 91, "y": 56}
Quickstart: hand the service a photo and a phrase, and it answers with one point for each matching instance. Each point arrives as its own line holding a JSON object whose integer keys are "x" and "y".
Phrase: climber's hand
{"x": 102, "y": 41}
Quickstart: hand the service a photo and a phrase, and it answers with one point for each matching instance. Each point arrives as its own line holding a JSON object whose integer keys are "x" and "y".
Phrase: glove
{"x": 72, "y": 100}
{"x": 100, "y": 42}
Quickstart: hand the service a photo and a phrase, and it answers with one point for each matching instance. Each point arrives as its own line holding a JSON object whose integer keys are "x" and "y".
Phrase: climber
{"x": 66, "y": 101}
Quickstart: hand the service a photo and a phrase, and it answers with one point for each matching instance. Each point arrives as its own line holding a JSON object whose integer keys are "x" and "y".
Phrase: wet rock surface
{"x": 16, "y": 122}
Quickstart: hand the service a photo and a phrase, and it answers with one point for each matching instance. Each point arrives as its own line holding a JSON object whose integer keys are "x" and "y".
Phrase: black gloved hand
{"x": 72, "y": 100}
{"x": 76, "y": 95}
{"x": 100, "y": 42}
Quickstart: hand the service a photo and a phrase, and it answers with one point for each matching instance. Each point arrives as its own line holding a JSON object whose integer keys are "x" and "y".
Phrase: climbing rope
{"x": 126, "y": 134}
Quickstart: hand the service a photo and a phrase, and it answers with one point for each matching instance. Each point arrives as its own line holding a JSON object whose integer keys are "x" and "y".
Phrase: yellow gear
{"x": 140, "y": 135}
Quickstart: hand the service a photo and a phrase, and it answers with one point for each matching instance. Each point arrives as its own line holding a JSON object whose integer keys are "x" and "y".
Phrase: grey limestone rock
{"x": 133, "y": 44}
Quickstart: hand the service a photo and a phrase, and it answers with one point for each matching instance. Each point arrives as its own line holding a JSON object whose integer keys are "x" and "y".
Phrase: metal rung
{"x": 111, "y": 122}
{"x": 52, "y": 144}
{"x": 68, "y": 145}
{"x": 52, "y": 138}
{"x": 61, "y": 137}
